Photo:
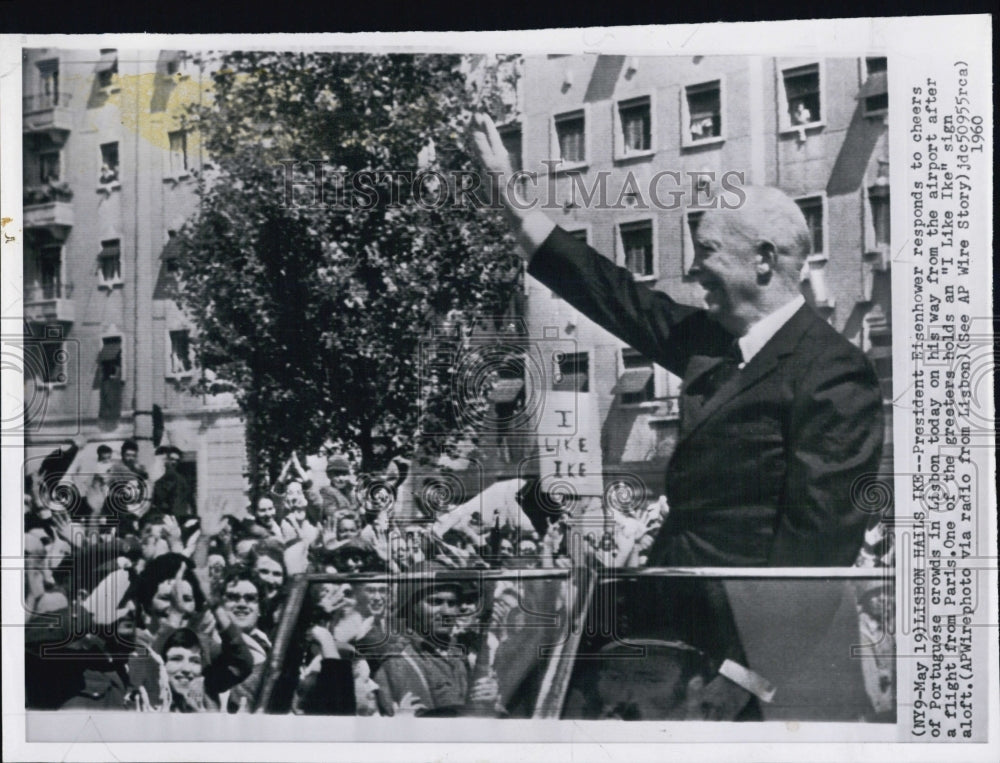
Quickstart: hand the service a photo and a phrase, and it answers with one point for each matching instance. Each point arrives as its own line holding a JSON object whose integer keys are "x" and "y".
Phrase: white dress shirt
{"x": 763, "y": 330}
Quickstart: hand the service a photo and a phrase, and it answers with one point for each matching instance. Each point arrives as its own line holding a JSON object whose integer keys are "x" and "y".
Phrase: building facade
{"x": 110, "y": 173}
{"x": 616, "y": 139}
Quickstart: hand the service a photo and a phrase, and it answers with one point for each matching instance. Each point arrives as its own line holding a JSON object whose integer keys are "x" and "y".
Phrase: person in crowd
{"x": 52, "y": 470}
{"x": 172, "y": 493}
{"x": 265, "y": 520}
{"x": 76, "y": 657}
{"x": 197, "y": 680}
{"x": 640, "y": 680}
{"x": 159, "y": 535}
{"x": 772, "y": 394}
{"x": 296, "y": 525}
{"x": 217, "y": 568}
{"x": 242, "y": 597}
{"x": 346, "y": 526}
{"x": 268, "y": 563}
{"x": 428, "y": 673}
{"x": 128, "y": 486}
{"x": 95, "y": 478}
{"x": 338, "y": 497}
{"x": 355, "y": 556}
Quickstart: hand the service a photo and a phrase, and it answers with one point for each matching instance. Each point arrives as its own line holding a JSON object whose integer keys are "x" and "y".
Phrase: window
{"x": 875, "y": 65}
{"x": 178, "y": 152}
{"x": 571, "y": 137}
{"x": 48, "y": 81}
{"x": 112, "y": 377}
{"x": 636, "y": 384}
{"x": 878, "y": 200}
{"x": 812, "y": 209}
{"x": 50, "y": 271}
{"x": 109, "y": 163}
{"x": 49, "y": 167}
{"x": 634, "y": 127}
{"x": 690, "y": 221}
{"x": 107, "y": 68}
{"x": 702, "y": 112}
{"x": 802, "y": 95}
{"x": 110, "y": 263}
{"x": 573, "y": 373}
{"x": 637, "y": 247}
{"x": 875, "y": 92}
{"x": 181, "y": 361}
{"x": 110, "y": 358}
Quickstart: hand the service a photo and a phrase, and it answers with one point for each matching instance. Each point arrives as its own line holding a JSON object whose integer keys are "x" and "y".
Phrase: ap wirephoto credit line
{"x": 622, "y": 392}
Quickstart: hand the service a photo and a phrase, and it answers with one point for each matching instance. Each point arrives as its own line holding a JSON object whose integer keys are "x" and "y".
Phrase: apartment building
{"x": 816, "y": 128}
{"x": 110, "y": 172}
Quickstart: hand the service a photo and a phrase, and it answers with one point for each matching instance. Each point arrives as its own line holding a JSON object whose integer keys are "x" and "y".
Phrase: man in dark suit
{"x": 780, "y": 415}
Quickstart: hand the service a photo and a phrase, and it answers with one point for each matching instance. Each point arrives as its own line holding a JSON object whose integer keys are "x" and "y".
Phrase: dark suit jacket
{"x": 764, "y": 466}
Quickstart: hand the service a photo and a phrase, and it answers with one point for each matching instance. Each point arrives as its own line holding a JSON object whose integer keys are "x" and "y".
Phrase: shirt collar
{"x": 760, "y": 333}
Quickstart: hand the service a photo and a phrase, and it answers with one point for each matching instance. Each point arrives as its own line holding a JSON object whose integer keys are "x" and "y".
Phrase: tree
{"x": 315, "y": 312}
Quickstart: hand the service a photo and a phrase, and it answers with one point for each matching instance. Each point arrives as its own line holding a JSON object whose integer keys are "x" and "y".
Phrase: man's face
{"x": 242, "y": 602}
{"x": 129, "y": 456}
{"x": 125, "y": 625}
{"x": 435, "y": 613}
{"x": 646, "y": 688}
{"x": 216, "y": 567}
{"x": 270, "y": 572}
{"x": 173, "y": 459}
{"x": 294, "y": 497}
{"x": 347, "y": 528}
{"x": 104, "y": 457}
{"x": 265, "y": 511}
{"x": 337, "y": 478}
{"x": 183, "y": 665}
{"x": 163, "y": 599}
{"x": 724, "y": 264}
{"x": 154, "y": 543}
{"x": 506, "y": 548}
{"x": 353, "y": 563}
{"x": 372, "y": 599}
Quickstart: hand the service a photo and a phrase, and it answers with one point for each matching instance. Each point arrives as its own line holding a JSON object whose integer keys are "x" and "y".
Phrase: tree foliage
{"x": 316, "y": 313}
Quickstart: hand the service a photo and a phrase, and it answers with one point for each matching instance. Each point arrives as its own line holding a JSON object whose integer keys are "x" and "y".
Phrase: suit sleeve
{"x": 650, "y": 321}
{"x": 233, "y": 664}
{"x": 836, "y": 440}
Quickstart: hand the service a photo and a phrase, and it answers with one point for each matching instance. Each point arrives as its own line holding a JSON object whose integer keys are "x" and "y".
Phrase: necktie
{"x": 727, "y": 367}
{"x": 707, "y": 384}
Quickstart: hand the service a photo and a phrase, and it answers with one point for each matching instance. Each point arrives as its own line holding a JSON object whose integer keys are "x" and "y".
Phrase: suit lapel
{"x": 783, "y": 343}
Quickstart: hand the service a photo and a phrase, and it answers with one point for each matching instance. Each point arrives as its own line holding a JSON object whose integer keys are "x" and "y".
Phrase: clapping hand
{"x": 181, "y": 607}
{"x": 408, "y": 704}
{"x": 718, "y": 700}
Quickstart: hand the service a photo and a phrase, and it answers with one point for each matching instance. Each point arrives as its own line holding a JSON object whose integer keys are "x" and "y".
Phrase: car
{"x": 636, "y": 644}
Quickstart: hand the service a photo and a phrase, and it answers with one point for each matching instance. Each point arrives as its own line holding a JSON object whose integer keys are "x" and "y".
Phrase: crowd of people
{"x": 137, "y": 601}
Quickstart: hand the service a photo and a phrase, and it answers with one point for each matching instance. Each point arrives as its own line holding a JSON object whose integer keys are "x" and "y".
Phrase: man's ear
{"x": 765, "y": 259}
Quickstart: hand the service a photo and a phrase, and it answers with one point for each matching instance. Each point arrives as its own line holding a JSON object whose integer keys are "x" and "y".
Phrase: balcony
{"x": 47, "y": 207}
{"x": 48, "y": 113}
{"x": 49, "y": 303}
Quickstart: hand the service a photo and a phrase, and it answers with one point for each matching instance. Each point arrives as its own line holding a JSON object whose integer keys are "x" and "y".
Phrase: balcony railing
{"x": 47, "y": 291}
{"x": 45, "y": 101}
{"x": 47, "y": 302}
{"x": 46, "y": 193}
